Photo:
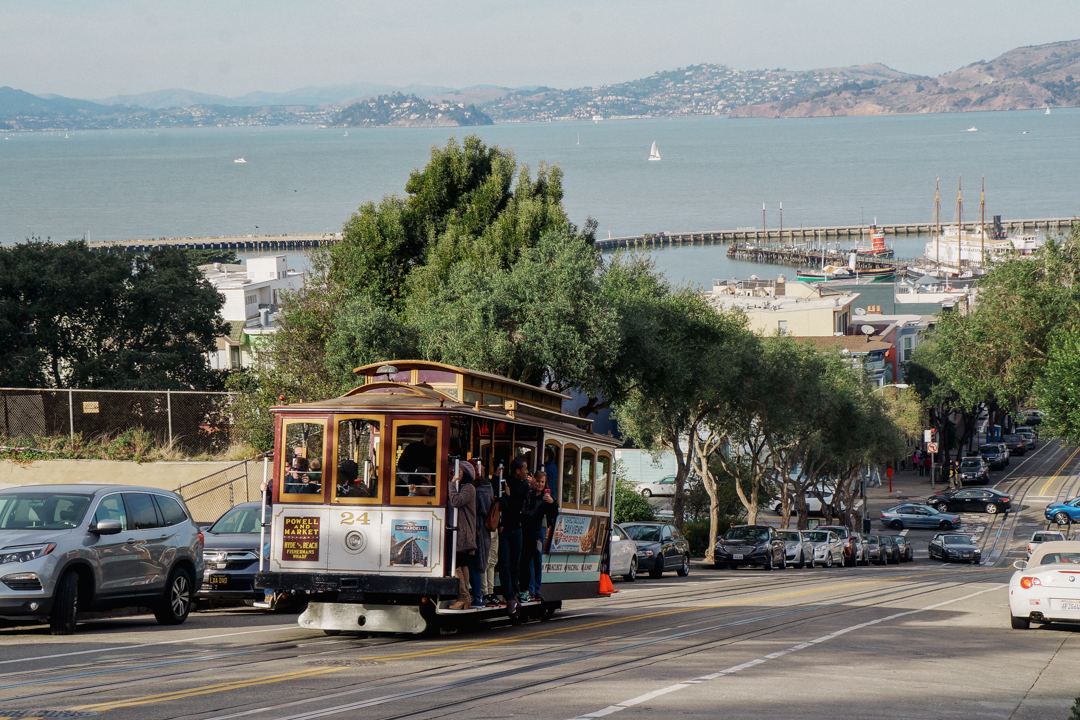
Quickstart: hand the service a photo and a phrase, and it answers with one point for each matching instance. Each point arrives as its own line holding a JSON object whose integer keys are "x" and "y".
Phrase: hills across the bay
{"x": 1023, "y": 78}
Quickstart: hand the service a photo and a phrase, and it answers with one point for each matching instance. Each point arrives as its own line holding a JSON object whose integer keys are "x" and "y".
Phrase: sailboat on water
{"x": 1047, "y": 110}
{"x": 654, "y": 154}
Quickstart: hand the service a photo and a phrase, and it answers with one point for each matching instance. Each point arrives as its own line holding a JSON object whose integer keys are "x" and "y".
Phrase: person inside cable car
{"x": 415, "y": 466}
{"x": 297, "y": 480}
{"x": 348, "y": 482}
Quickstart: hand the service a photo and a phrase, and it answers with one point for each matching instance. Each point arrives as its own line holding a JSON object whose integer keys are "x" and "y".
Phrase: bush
{"x": 630, "y": 506}
{"x": 697, "y": 534}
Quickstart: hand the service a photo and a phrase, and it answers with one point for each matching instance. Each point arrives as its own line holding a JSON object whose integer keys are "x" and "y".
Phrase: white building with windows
{"x": 253, "y": 294}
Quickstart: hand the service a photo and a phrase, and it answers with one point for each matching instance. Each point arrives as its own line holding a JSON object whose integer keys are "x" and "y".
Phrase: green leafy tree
{"x": 70, "y": 317}
{"x": 630, "y": 506}
{"x": 1058, "y": 389}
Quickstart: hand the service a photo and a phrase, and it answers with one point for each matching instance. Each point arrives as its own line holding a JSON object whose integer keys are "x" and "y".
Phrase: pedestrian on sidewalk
{"x": 927, "y": 464}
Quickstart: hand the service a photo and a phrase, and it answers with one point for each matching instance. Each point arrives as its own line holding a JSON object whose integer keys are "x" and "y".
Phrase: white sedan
{"x": 660, "y": 487}
{"x": 623, "y": 554}
{"x": 1046, "y": 588}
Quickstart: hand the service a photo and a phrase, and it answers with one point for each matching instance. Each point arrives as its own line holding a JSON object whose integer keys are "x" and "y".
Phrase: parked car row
{"x": 766, "y": 547}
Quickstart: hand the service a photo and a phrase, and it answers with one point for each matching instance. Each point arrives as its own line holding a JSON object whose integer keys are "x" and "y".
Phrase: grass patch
{"x": 132, "y": 445}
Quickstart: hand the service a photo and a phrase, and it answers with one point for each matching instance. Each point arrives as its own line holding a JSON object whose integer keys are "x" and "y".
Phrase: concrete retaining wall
{"x": 164, "y": 475}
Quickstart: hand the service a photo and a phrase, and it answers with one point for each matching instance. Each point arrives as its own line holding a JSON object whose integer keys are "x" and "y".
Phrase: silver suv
{"x": 71, "y": 548}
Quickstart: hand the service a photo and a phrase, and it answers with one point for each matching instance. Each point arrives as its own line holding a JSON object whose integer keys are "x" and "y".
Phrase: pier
{"x": 806, "y": 257}
{"x": 239, "y": 243}
{"x": 832, "y": 233}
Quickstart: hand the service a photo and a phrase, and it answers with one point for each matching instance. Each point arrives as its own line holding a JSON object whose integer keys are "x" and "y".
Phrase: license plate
{"x": 737, "y": 556}
{"x": 218, "y": 580}
{"x": 1068, "y": 604}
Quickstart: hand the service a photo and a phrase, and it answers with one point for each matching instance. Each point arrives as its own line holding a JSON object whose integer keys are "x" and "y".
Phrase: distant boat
{"x": 346, "y": 134}
{"x": 1047, "y": 110}
{"x": 239, "y": 160}
{"x": 65, "y": 136}
{"x": 579, "y": 138}
{"x": 973, "y": 129}
{"x": 1024, "y": 133}
{"x": 654, "y": 154}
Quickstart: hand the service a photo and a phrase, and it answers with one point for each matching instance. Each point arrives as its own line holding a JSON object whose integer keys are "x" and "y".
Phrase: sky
{"x": 100, "y": 48}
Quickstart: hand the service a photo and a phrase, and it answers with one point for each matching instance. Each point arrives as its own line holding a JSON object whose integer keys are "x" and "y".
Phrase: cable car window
{"x": 569, "y": 476}
{"x": 357, "y": 459}
{"x": 551, "y": 466}
{"x": 586, "y": 477}
{"x": 416, "y": 466}
{"x": 603, "y": 482}
{"x": 302, "y": 460}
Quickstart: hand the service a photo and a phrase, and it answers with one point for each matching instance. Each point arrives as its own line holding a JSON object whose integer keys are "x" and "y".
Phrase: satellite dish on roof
{"x": 867, "y": 330}
{"x": 860, "y": 311}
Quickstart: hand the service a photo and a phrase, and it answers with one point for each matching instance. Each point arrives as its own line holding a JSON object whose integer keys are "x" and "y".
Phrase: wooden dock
{"x": 803, "y": 234}
{"x": 239, "y": 243}
{"x": 806, "y": 257}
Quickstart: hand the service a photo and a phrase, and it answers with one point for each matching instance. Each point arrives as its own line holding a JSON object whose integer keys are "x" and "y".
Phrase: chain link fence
{"x": 209, "y": 497}
{"x": 193, "y": 422}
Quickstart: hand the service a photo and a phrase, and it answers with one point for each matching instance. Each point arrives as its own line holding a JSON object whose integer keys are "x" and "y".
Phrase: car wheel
{"x": 783, "y": 561}
{"x": 1061, "y": 518}
{"x": 945, "y": 525}
{"x": 940, "y": 507}
{"x": 991, "y": 509}
{"x": 802, "y": 561}
{"x": 174, "y": 607}
{"x": 657, "y": 568}
{"x": 646, "y": 493}
{"x": 896, "y": 525}
{"x": 631, "y": 575}
{"x": 828, "y": 560}
{"x": 684, "y": 569}
{"x": 1020, "y": 623}
{"x": 65, "y": 611}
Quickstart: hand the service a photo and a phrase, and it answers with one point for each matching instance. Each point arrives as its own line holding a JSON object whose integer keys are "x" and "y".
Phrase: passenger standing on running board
{"x": 539, "y": 505}
{"x": 513, "y": 497}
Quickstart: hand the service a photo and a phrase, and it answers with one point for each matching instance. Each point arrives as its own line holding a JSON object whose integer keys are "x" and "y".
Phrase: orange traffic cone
{"x": 606, "y": 588}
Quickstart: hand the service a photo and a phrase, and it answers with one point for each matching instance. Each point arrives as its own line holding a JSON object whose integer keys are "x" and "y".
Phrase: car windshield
{"x": 238, "y": 520}
{"x": 1011, "y": 438}
{"x": 645, "y": 533}
{"x": 970, "y": 464}
{"x": 958, "y": 540}
{"x": 1046, "y": 537}
{"x": 41, "y": 511}
{"x": 788, "y": 535}
{"x": 1067, "y": 558}
{"x": 746, "y": 533}
{"x": 991, "y": 449}
{"x": 817, "y": 536}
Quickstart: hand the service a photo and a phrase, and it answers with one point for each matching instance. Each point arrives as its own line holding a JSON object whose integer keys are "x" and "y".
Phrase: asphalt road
{"x": 920, "y": 640}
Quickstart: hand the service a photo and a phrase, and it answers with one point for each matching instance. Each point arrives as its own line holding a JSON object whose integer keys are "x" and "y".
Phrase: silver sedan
{"x": 828, "y": 549}
{"x": 623, "y": 554}
{"x": 798, "y": 551}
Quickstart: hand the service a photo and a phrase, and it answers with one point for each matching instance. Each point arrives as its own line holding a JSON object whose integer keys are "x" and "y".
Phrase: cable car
{"x": 360, "y": 519}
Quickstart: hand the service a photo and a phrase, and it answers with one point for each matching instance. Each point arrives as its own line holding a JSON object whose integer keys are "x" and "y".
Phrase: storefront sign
{"x": 300, "y": 539}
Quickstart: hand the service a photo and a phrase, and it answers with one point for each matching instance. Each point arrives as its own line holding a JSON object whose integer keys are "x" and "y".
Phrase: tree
{"x": 1058, "y": 389}
{"x": 70, "y": 317}
{"x": 700, "y": 354}
{"x": 630, "y": 506}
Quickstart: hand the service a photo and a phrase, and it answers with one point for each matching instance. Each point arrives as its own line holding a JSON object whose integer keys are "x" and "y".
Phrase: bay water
{"x": 715, "y": 174}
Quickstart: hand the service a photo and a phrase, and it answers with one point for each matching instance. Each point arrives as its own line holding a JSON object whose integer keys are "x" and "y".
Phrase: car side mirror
{"x": 1020, "y": 564}
{"x": 106, "y": 527}
{"x": 614, "y": 538}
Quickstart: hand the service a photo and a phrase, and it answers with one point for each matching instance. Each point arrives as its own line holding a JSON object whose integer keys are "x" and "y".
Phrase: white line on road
{"x": 771, "y": 656}
{"x": 133, "y": 647}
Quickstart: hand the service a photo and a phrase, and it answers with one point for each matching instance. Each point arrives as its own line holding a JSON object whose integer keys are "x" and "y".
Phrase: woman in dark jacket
{"x": 485, "y": 497}
{"x": 463, "y": 498}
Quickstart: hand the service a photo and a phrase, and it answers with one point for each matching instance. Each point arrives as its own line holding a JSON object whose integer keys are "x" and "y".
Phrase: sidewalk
{"x": 906, "y": 485}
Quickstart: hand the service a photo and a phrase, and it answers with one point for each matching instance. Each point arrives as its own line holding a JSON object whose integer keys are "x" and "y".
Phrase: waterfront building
{"x": 253, "y": 293}
{"x": 787, "y": 308}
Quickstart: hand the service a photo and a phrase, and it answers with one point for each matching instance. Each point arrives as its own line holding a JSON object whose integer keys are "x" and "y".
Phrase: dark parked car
{"x": 232, "y": 555}
{"x": 1015, "y": 444}
{"x": 750, "y": 545}
{"x": 848, "y": 539}
{"x": 974, "y": 471}
{"x": 948, "y": 547}
{"x": 985, "y": 500}
{"x": 907, "y": 552}
{"x": 660, "y": 547}
{"x": 890, "y": 549}
{"x": 873, "y": 550}
{"x": 923, "y": 516}
{"x": 994, "y": 457}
